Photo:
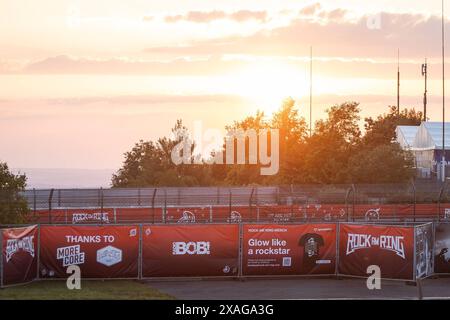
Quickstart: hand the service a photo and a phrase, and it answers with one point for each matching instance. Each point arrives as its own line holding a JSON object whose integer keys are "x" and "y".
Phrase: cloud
{"x": 148, "y": 100}
{"x": 221, "y": 65}
{"x": 310, "y": 10}
{"x": 64, "y": 64}
{"x": 210, "y": 16}
{"x": 331, "y": 33}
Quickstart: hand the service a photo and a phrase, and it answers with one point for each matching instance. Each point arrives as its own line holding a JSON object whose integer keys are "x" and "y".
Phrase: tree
{"x": 381, "y": 131}
{"x": 329, "y": 148}
{"x": 385, "y": 163}
{"x": 150, "y": 164}
{"x": 292, "y": 135}
{"x": 13, "y": 206}
{"x": 243, "y": 174}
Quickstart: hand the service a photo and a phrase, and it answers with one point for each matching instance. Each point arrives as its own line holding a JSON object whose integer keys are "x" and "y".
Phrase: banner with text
{"x": 19, "y": 255}
{"x": 424, "y": 250}
{"x": 389, "y": 247}
{"x": 441, "y": 248}
{"x": 100, "y": 252}
{"x": 289, "y": 249}
{"x": 190, "y": 250}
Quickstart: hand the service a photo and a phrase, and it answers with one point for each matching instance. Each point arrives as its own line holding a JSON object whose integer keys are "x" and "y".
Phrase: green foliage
{"x": 13, "y": 207}
{"x": 385, "y": 163}
{"x": 381, "y": 131}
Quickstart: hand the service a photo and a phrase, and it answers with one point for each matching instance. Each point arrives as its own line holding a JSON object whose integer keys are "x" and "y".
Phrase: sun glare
{"x": 268, "y": 83}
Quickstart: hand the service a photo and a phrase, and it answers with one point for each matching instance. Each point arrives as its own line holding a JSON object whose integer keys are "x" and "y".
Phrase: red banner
{"x": 188, "y": 214}
{"x": 100, "y": 252}
{"x": 391, "y": 248}
{"x": 132, "y": 215}
{"x": 19, "y": 255}
{"x": 190, "y": 250}
{"x": 235, "y": 214}
{"x": 90, "y": 216}
{"x": 289, "y": 249}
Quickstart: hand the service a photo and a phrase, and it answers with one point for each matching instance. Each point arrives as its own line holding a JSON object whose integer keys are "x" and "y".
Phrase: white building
{"x": 425, "y": 141}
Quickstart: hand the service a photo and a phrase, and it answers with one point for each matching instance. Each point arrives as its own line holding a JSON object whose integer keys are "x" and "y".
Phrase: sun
{"x": 268, "y": 83}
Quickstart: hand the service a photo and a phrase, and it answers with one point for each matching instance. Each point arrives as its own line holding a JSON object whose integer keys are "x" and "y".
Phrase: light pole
{"x": 443, "y": 95}
{"x": 310, "y": 91}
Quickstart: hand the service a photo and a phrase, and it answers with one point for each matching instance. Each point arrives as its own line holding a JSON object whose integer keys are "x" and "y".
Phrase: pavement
{"x": 304, "y": 288}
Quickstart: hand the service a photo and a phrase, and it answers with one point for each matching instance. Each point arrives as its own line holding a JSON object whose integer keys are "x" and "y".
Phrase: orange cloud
{"x": 209, "y": 16}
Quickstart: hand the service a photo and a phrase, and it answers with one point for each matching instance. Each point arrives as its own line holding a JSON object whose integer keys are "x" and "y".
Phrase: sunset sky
{"x": 82, "y": 81}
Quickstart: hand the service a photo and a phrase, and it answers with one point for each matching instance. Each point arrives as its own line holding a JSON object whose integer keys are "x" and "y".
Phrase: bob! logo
{"x": 199, "y": 248}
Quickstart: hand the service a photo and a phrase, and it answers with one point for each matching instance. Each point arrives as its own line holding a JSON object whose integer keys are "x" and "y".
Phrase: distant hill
{"x": 66, "y": 178}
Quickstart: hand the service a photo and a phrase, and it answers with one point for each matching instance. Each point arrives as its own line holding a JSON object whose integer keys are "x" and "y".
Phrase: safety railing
{"x": 406, "y": 202}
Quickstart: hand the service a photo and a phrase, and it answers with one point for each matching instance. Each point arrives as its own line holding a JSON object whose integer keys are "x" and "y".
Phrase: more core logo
{"x": 199, "y": 248}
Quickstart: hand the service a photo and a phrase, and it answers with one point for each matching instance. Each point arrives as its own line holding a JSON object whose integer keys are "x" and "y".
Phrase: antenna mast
{"x": 398, "y": 81}
{"x": 425, "y": 73}
{"x": 310, "y": 91}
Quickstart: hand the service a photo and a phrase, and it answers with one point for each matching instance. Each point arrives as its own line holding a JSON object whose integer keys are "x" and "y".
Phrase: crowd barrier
{"x": 238, "y": 214}
{"x": 147, "y": 251}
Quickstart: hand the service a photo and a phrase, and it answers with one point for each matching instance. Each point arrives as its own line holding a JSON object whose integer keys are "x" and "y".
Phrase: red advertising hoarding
{"x": 100, "y": 252}
{"x": 389, "y": 247}
{"x": 188, "y": 214}
{"x": 132, "y": 215}
{"x": 190, "y": 250}
{"x": 19, "y": 255}
{"x": 90, "y": 216}
{"x": 289, "y": 249}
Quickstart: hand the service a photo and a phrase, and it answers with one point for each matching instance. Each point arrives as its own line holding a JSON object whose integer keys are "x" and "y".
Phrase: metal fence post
{"x": 338, "y": 232}
{"x": 101, "y": 205}
{"x": 439, "y": 201}
{"x": 164, "y": 213}
{"x": 1, "y": 258}
{"x": 414, "y": 254}
{"x": 50, "y": 199}
{"x": 354, "y": 201}
{"x": 240, "y": 249}
{"x": 38, "y": 259}
{"x": 414, "y": 199}
{"x": 229, "y": 203}
{"x": 140, "y": 253}
{"x": 153, "y": 205}
{"x": 218, "y": 195}
{"x": 250, "y": 204}
{"x": 292, "y": 200}
{"x": 347, "y": 209}
{"x": 278, "y": 195}
{"x": 34, "y": 202}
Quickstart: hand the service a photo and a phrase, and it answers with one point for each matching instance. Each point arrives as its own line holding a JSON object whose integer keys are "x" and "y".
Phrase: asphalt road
{"x": 306, "y": 288}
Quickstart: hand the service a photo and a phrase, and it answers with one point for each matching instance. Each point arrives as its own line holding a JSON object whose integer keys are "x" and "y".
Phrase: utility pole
{"x": 443, "y": 95}
{"x": 425, "y": 73}
{"x": 310, "y": 91}
{"x": 398, "y": 82}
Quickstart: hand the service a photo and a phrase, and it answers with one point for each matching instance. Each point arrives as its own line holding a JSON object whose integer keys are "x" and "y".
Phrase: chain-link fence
{"x": 406, "y": 202}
